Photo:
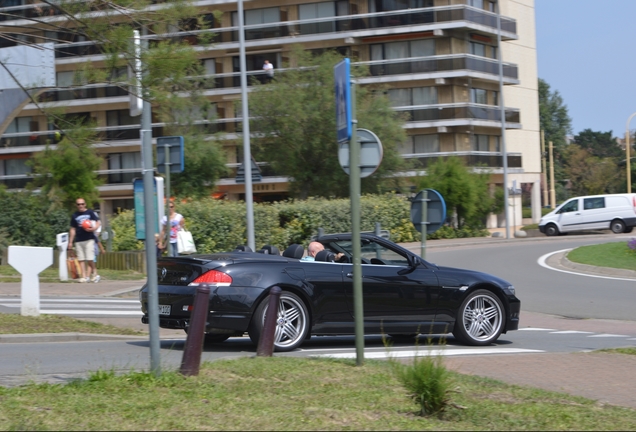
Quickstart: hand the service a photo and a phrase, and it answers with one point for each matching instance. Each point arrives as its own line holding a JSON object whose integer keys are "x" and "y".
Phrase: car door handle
{"x": 349, "y": 275}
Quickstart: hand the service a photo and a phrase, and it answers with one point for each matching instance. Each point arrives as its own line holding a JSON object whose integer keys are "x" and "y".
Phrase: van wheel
{"x": 628, "y": 230}
{"x": 551, "y": 230}
{"x": 617, "y": 226}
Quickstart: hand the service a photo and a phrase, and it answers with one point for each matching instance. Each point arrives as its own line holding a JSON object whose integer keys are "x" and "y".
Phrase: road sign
{"x": 342, "y": 78}
{"x": 140, "y": 212}
{"x": 174, "y": 145}
{"x": 435, "y": 210}
{"x": 370, "y": 153}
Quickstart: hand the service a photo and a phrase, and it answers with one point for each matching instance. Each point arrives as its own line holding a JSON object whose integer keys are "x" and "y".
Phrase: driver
{"x": 315, "y": 247}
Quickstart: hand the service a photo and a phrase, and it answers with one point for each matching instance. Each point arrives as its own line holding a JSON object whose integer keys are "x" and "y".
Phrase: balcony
{"x": 455, "y": 65}
{"x": 493, "y": 160}
{"x": 458, "y": 114}
{"x": 354, "y": 26}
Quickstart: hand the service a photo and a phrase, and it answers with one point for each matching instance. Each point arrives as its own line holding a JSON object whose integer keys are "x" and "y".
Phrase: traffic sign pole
{"x": 354, "y": 182}
{"x": 424, "y": 201}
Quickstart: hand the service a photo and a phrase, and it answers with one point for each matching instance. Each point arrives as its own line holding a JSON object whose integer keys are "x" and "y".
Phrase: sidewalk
{"x": 607, "y": 378}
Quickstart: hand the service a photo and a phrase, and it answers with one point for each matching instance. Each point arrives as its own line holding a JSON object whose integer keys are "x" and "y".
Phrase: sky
{"x": 586, "y": 50}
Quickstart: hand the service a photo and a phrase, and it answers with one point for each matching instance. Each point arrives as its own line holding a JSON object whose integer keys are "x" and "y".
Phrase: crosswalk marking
{"x": 609, "y": 335}
{"x": 433, "y": 352}
{"x": 82, "y": 306}
{"x": 571, "y": 332}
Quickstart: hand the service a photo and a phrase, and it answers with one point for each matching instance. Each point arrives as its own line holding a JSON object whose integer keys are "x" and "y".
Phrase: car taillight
{"x": 213, "y": 277}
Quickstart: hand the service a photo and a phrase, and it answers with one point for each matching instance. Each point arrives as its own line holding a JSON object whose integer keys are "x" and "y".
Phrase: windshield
{"x": 369, "y": 250}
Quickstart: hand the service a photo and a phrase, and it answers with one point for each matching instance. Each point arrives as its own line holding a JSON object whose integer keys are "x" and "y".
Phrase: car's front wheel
{"x": 292, "y": 322}
{"x": 480, "y": 319}
{"x": 551, "y": 230}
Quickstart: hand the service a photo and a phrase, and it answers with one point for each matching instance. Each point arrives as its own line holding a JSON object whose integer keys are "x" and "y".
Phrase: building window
{"x": 480, "y": 143}
{"x": 401, "y": 50}
{"x": 478, "y": 49}
{"x": 392, "y": 5}
{"x": 476, "y": 3}
{"x": 15, "y": 167}
{"x": 479, "y": 96}
{"x": 421, "y": 144}
{"x": 321, "y": 10}
{"x": 124, "y": 161}
{"x": 22, "y": 124}
{"x": 259, "y": 16}
{"x": 413, "y": 96}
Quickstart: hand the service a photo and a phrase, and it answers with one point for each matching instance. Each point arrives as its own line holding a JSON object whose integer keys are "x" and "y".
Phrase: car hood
{"x": 468, "y": 277}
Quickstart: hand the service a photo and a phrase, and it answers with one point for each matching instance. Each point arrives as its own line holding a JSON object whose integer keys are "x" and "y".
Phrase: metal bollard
{"x": 266, "y": 341}
{"x": 191, "y": 360}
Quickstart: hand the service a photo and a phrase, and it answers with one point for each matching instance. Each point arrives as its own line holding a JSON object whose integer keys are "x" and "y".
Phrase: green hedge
{"x": 220, "y": 225}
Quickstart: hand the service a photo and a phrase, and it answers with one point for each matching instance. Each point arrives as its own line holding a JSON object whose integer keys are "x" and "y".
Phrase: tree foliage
{"x": 172, "y": 79}
{"x": 466, "y": 193}
{"x": 592, "y": 175}
{"x": 67, "y": 171}
{"x": 294, "y": 120}
{"x": 555, "y": 123}
{"x": 27, "y": 219}
{"x": 599, "y": 144}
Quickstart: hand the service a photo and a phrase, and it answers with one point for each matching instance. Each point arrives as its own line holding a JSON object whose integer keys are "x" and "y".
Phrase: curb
{"x": 64, "y": 337}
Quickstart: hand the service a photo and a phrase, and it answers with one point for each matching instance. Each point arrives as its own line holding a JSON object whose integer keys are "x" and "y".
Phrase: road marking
{"x": 571, "y": 332}
{"x": 88, "y": 312}
{"x": 97, "y": 300}
{"x": 608, "y": 335}
{"x": 433, "y": 352}
{"x": 536, "y": 329}
{"x": 542, "y": 262}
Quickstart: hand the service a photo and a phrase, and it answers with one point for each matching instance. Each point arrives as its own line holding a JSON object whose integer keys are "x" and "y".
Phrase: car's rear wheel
{"x": 480, "y": 319}
{"x": 292, "y": 322}
{"x": 551, "y": 230}
{"x": 617, "y": 226}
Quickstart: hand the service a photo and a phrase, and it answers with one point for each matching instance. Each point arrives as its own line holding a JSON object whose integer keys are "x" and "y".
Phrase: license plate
{"x": 164, "y": 309}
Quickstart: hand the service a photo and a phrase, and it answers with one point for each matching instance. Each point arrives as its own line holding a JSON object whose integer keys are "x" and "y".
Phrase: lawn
{"x": 614, "y": 255}
{"x": 284, "y": 393}
{"x": 18, "y": 324}
{"x": 52, "y": 274}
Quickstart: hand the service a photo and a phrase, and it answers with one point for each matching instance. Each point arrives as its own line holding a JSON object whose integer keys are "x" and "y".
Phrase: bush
{"x": 428, "y": 381}
{"x": 447, "y": 232}
{"x": 27, "y": 219}
{"x": 220, "y": 225}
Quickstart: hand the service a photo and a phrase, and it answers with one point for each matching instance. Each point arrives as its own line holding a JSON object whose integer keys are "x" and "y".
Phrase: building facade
{"x": 438, "y": 59}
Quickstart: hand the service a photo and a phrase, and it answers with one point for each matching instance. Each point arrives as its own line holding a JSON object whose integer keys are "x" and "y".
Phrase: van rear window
{"x": 593, "y": 203}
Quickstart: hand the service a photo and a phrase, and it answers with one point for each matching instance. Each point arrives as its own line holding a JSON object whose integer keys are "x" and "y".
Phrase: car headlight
{"x": 510, "y": 289}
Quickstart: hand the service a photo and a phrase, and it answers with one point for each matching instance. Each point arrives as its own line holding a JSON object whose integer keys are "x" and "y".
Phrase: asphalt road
{"x": 545, "y": 290}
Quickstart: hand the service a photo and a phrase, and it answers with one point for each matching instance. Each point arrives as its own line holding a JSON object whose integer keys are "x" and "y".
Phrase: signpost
{"x": 170, "y": 159}
{"x": 140, "y": 206}
{"x": 349, "y": 156}
{"x": 428, "y": 209}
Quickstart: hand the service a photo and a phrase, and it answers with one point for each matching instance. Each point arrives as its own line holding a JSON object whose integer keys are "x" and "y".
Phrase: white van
{"x": 616, "y": 212}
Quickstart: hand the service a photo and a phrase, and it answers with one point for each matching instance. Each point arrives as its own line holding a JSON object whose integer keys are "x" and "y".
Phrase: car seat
{"x": 269, "y": 250}
{"x": 325, "y": 255}
{"x": 294, "y": 251}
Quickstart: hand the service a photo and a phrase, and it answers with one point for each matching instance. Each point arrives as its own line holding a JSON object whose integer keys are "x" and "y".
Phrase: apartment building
{"x": 438, "y": 59}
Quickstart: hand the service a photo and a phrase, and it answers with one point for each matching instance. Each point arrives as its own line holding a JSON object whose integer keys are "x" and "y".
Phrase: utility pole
{"x": 544, "y": 172}
{"x": 552, "y": 193}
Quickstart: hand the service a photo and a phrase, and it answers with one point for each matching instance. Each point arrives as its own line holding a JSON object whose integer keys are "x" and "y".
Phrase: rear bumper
{"x": 216, "y": 323}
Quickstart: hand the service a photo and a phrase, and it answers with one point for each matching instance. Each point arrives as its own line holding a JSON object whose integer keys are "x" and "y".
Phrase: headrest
{"x": 242, "y": 248}
{"x": 270, "y": 250}
{"x": 294, "y": 251}
{"x": 325, "y": 255}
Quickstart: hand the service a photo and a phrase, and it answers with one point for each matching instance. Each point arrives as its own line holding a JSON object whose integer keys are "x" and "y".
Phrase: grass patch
{"x": 52, "y": 274}
{"x": 630, "y": 351}
{"x": 18, "y": 324}
{"x": 285, "y": 393}
{"x": 613, "y": 255}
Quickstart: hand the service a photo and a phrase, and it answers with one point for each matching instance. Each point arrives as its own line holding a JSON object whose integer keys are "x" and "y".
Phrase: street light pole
{"x": 627, "y": 149}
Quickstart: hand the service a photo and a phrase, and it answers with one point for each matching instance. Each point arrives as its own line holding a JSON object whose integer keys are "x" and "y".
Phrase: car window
{"x": 369, "y": 250}
{"x": 593, "y": 203}
{"x": 569, "y": 206}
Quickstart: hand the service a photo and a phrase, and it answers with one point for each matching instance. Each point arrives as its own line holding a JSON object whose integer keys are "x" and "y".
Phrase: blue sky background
{"x": 587, "y": 51}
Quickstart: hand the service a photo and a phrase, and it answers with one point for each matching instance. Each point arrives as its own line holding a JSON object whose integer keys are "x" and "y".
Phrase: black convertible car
{"x": 404, "y": 295}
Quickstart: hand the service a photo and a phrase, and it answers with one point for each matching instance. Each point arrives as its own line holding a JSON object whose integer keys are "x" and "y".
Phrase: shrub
{"x": 220, "y": 225}
{"x": 428, "y": 381}
{"x": 631, "y": 244}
